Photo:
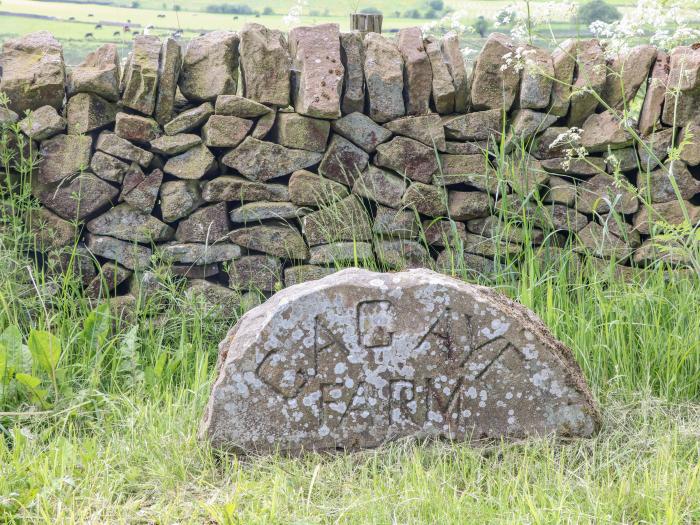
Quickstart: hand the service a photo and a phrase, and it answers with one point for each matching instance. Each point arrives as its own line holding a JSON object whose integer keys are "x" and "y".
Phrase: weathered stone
{"x": 443, "y": 90}
{"x": 600, "y": 242}
{"x": 99, "y": 73}
{"x": 200, "y": 254}
{"x": 590, "y": 80}
{"x": 654, "y": 149}
{"x": 279, "y": 239}
{"x": 43, "y": 123}
{"x": 132, "y": 178}
{"x": 525, "y": 123}
{"x": 465, "y": 205}
{"x": 210, "y": 66}
{"x": 480, "y": 125}
{"x": 493, "y": 227}
{"x": 109, "y": 277}
{"x": 195, "y": 163}
{"x": 260, "y": 161}
{"x": 455, "y": 64}
{"x": 168, "y": 74}
{"x": 199, "y": 272}
{"x": 116, "y": 146}
{"x": 401, "y": 224}
{"x": 239, "y": 189}
{"x": 300, "y": 132}
{"x": 444, "y": 232}
{"x": 492, "y": 247}
{"x": 50, "y": 231}
{"x": 605, "y": 130}
{"x": 265, "y": 65}
{"x": 426, "y": 199}
{"x": 222, "y": 131}
{"x": 584, "y": 167}
{"x": 207, "y": 225}
{"x": 658, "y": 185}
{"x": 86, "y": 112}
{"x": 361, "y": 130}
{"x": 136, "y": 128}
{"x": 264, "y": 125}
{"x": 255, "y": 272}
{"x": 175, "y": 144}
{"x": 524, "y": 173}
{"x": 344, "y": 220}
{"x": 305, "y": 272}
{"x": 190, "y": 119}
{"x": 474, "y": 170}
{"x": 108, "y": 168}
{"x": 560, "y": 191}
{"x": 550, "y": 144}
{"x": 74, "y": 262}
{"x": 143, "y": 196}
{"x": 690, "y": 138}
{"x": 657, "y": 216}
{"x": 352, "y": 252}
{"x": 261, "y": 210}
{"x": 383, "y": 66}
{"x": 380, "y": 186}
{"x": 615, "y": 224}
{"x": 343, "y": 161}
{"x": 141, "y": 75}
{"x": 427, "y": 129}
{"x": 494, "y": 86}
{"x": 537, "y": 78}
{"x": 418, "y": 75}
{"x": 33, "y": 73}
{"x": 467, "y": 148}
{"x": 7, "y": 116}
{"x": 179, "y": 198}
{"x": 62, "y": 157}
{"x": 351, "y": 51}
{"x": 310, "y": 189}
{"x": 218, "y": 300}
{"x": 628, "y": 71}
{"x": 130, "y": 224}
{"x": 650, "y": 114}
{"x": 656, "y": 251}
{"x": 467, "y": 265}
{"x": 622, "y": 160}
{"x": 128, "y": 254}
{"x": 682, "y": 96}
{"x": 317, "y": 70}
{"x": 438, "y": 359}
{"x": 602, "y": 193}
{"x": 408, "y": 158}
{"x": 548, "y": 217}
{"x": 564, "y": 63}
{"x": 241, "y": 107}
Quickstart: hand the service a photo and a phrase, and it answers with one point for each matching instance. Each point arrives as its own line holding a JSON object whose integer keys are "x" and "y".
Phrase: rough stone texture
{"x": 179, "y": 199}
{"x": 659, "y": 187}
{"x": 7, "y": 116}
{"x": 492, "y": 226}
{"x": 560, "y": 191}
{"x": 190, "y": 119}
{"x": 351, "y": 51}
{"x": 427, "y": 129}
{"x": 466, "y": 264}
{"x": 50, "y": 231}
{"x": 63, "y": 156}
{"x": 195, "y": 253}
{"x": 359, "y": 358}
{"x": 128, "y": 254}
{"x": 601, "y": 242}
{"x": 444, "y": 232}
{"x": 426, "y": 199}
{"x": 253, "y": 212}
{"x": 300, "y": 132}
{"x": 261, "y": 161}
{"x": 380, "y": 186}
{"x": 210, "y": 66}
{"x": 108, "y": 168}
{"x": 43, "y": 123}
{"x": 169, "y": 145}
{"x": 537, "y": 79}
{"x": 195, "y": 163}
{"x": 384, "y": 78}
{"x": 465, "y": 205}
{"x": 582, "y": 167}
{"x": 111, "y": 144}
{"x": 256, "y": 272}
{"x": 208, "y": 224}
{"x": 218, "y": 300}
{"x": 628, "y": 72}
{"x": 409, "y": 158}
{"x": 265, "y": 65}
{"x": 310, "y": 189}
{"x": 144, "y": 194}
{"x": 654, "y": 150}
{"x": 130, "y": 224}
{"x": 443, "y": 91}
{"x": 317, "y": 70}
{"x": 605, "y": 130}
{"x": 351, "y": 252}
{"x": 141, "y": 75}
{"x": 601, "y": 194}
{"x": 86, "y": 112}
{"x": 99, "y": 73}
{"x": 402, "y": 254}
{"x": 650, "y": 114}
{"x": 665, "y": 213}
{"x": 110, "y": 276}
{"x": 474, "y": 170}
{"x": 168, "y": 74}
{"x": 401, "y": 224}
{"x": 264, "y": 125}
{"x": 136, "y": 128}
{"x": 343, "y": 161}
{"x": 494, "y": 87}
{"x": 362, "y": 131}
{"x": 305, "y": 272}
{"x": 33, "y": 72}
{"x": 526, "y": 123}
{"x": 589, "y": 79}
{"x": 279, "y": 239}
{"x": 564, "y": 63}
{"x": 241, "y": 107}
{"x": 225, "y": 132}
{"x": 345, "y": 220}
{"x": 480, "y": 125}
{"x": 684, "y": 83}
{"x": 455, "y": 64}
{"x": 690, "y": 137}
{"x": 239, "y": 189}
{"x": 418, "y": 75}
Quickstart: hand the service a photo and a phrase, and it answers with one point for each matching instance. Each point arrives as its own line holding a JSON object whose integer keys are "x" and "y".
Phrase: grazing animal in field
{"x": 90, "y": 14}
{"x": 147, "y": 29}
{"x": 126, "y": 29}
{"x": 135, "y": 33}
{"x": 71, "y": 18}
{"x": 89, "y": 35}
{"x": 235, "y": 18}
{"x": 116, "y": 33}
{"x": 161, "y": 16}
{"x": 98, "y": 26}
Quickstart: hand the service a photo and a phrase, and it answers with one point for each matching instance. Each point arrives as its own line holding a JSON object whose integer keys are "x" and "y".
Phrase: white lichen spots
{"x": 311, "y": 399}
{"x": 435, "y": 417}
{"x": 446, "y": 391}
{"x": 509, "y": 395}
{"x": 340, "y": 368}
{"x": 336, "y": 393}
{"x": 412, "y": 407}
{"x": 539, "y": 378}
{"x": 529, "y": 351}
{"x": 466, "y": 413}
{"x": 340, "y": 407}
{"x": 556, "y": 389}
{"x": 349, "y": 383}
{"x": 511, "y": 420}
{"x": 471, "y": 392}
{"x": 323, "y": 430}
{"x": 497, "y": 329}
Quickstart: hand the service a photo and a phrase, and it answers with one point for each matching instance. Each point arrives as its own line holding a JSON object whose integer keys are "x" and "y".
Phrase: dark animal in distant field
{"x": 89, "y": 35}
{"x": 98, "y": 26}
{"x": 90, "y": 14}
{"x": 126, "y": 29}
{"x": 135, "y": 33}
{"x": 71, "y": 18}
{"x": 116, "y": 33}
{"x": 161, "y": 16}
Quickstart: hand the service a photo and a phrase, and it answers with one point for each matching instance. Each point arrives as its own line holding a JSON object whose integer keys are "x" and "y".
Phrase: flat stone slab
{"x": 358, "y": 359}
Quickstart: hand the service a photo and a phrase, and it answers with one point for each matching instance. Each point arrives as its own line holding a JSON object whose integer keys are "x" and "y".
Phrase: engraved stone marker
{"x": 358, "y": 358}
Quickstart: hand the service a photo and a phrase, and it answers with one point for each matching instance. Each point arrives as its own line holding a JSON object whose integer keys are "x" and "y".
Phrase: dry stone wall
{"x": 255, "y": 160}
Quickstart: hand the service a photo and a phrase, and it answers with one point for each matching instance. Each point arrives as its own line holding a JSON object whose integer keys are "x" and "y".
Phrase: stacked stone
{"x": 254, "y": 161}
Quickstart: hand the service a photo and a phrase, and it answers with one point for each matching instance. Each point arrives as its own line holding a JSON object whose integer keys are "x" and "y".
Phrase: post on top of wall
{"x": 366, "y": 23}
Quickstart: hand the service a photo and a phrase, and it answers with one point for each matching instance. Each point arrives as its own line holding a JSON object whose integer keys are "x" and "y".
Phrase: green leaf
{"x": 10, "y": 351}
{"x": 32, "y": 383}
{"x": 45, "y": 349}
{"x": 96, "y": 326}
